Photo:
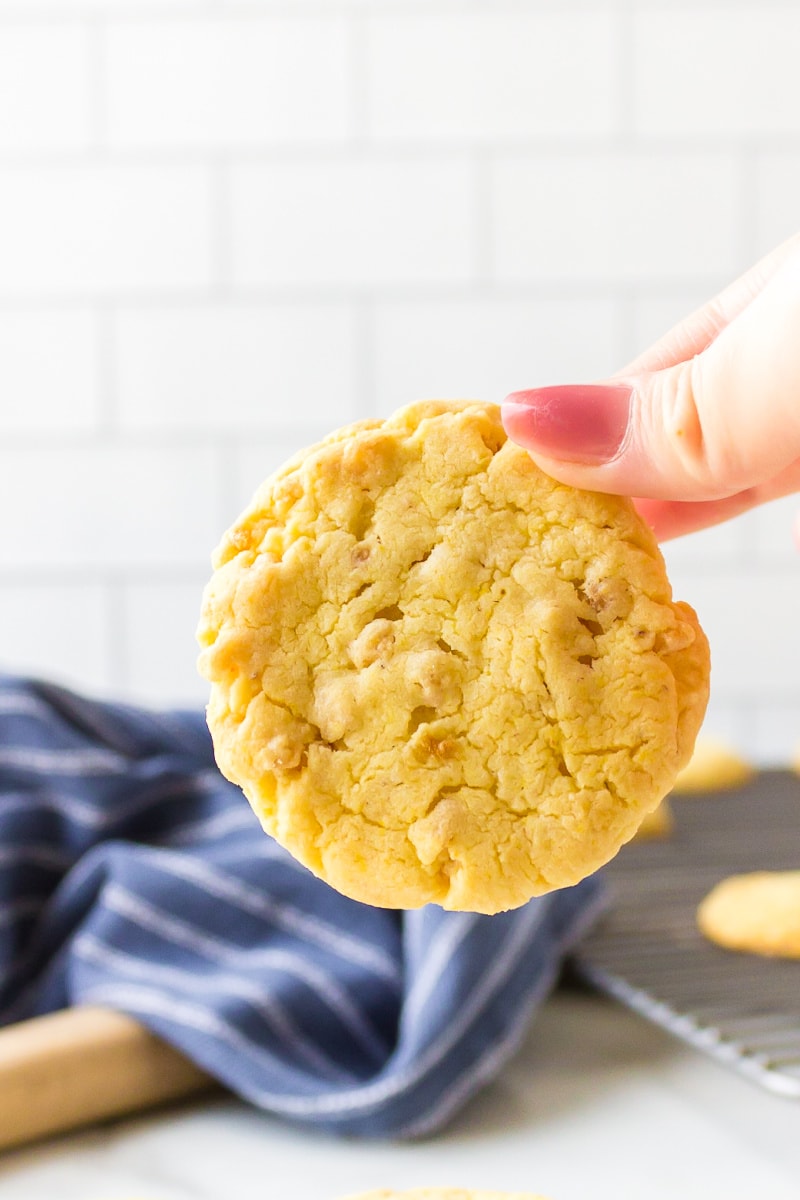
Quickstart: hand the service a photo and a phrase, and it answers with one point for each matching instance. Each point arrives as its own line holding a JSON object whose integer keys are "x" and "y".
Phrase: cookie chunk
{"x": 713, "y": 767}
{"x": 444, "y": 1194}
{"x": 440, "y": 676}
{"x": 759, "y": 913}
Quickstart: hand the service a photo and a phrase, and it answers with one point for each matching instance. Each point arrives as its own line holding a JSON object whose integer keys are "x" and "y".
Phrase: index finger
{"x": 697, "y": 331}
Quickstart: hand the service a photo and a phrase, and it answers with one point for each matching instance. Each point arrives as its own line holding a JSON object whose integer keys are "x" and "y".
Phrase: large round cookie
{"x": 439, "y": 675}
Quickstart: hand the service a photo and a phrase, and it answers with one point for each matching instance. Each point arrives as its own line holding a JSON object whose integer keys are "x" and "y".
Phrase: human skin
{"x": 699, "y": 428}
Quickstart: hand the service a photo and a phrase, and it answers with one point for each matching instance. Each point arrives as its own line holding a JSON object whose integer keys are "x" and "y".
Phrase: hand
{"x": 701, "y": 427}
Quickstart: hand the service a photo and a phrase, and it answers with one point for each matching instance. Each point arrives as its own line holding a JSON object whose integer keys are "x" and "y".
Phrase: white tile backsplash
{"x": 49, "y": 378}
{"x": 776, "y": 733}
{"x": 381, "y": 220}
{"x": 256, "y": 460}
{"x": 86, "y": 230}
{"x": 719, "y": 546}
{"x": 236, "y": 368}
{"x": 160, "y": 650}
{"x": 653, "y": 316}
{"x": 492, "y": 75}
{"x": 752, "y": 628}
{"x": 732, "y": 724}
{"x": 777, "y": 197}
{"x": 58, "y": 631}
{"x": 228, "y": 226}
{"x": 700, "y": 74}
{"x": 46, "y": 77}
{"x": 488, "y": 348}
{"x": 772, "y": 538}
{"x": 611, "y": 216}
{"x": 228, "y": 84}
{"x": 107, "y": 506}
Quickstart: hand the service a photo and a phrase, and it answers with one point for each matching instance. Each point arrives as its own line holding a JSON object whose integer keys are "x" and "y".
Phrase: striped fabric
{"x": 133, "y": 875}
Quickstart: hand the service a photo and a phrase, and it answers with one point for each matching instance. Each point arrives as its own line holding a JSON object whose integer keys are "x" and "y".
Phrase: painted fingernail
{"x": 584, "y": 423}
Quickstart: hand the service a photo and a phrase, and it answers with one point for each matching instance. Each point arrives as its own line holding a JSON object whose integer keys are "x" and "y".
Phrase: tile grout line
{"x": 345, "y": 149}
{"x": 529, "y": 290}
{"x": 116, "y": 648}
{"x": 483, "y": 218}
{"x": 105, "y": 318}
{"x": 364, "y": 353}
{"x": 625, "y": 90}
{"x": 221, "y": 248}
{"x": 358, "y": 92}
{"x": 96, "y": 29}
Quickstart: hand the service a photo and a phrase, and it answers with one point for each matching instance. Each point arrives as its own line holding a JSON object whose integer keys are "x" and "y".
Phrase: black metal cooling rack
{"x": 742, "y": 1009}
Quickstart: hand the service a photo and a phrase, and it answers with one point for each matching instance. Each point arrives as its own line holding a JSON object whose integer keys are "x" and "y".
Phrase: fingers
{"x": 720, "y": 423}
{"x": 672, "y": 518}
{"x": 694, "y": 333}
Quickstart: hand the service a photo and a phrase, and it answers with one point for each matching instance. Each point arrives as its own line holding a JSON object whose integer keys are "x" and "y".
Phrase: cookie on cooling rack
{"x": 758, "y": 912}
{"x": 440, "y": 676}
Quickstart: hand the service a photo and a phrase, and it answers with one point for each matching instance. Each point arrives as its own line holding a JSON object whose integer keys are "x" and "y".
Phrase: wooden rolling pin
{"x": 83, "y": 1065}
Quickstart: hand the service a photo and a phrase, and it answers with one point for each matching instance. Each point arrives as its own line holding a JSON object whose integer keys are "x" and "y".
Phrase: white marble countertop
{"x": 598, "y": 1105}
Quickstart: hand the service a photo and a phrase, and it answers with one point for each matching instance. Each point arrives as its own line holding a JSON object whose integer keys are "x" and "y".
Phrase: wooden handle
{"x": 83, "y": 1065}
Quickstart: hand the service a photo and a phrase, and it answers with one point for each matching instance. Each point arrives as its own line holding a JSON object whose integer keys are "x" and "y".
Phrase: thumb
{"x": 721, "y": 422}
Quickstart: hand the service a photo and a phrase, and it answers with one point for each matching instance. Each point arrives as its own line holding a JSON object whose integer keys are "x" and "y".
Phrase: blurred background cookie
{"x": 758, "y": 912}
{"x": 658, "y": 823}
{"x": 714, "y": 766}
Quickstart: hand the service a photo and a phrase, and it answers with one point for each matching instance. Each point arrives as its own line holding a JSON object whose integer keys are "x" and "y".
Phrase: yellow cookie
{"x": 440, "y": 676}
{"x": 443, "y": 1194}
{"x": 759, "y": 912}
{"x": 712, "y": 767}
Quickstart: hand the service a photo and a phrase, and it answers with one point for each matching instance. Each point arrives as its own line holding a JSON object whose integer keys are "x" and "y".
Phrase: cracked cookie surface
{"x": 440, "y": 676}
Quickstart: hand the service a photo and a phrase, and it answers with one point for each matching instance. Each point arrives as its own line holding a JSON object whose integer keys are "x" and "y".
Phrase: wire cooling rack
{"x": 742, "y": 1009}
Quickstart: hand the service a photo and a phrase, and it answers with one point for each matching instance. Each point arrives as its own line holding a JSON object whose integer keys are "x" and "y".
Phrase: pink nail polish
{"x": 584, "y": 423}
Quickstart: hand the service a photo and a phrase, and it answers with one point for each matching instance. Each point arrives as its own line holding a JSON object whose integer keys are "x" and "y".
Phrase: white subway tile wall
{"x": 226, "y": 84}
{"x": 491, "y": 75}
{"x": 49, "y": 371}
{"x": 487, "y": 347}
{"x": 45, "y": 88}
{"x": 81, "y": 507}
{"x": 708, "y": 55}
{"x": 361, "y": 221}
{"x": 777, "y": 183}
{"x": 227, "y": 226}
{"x": 616, "y": 216}
{"x": 236, "y": 368}
{"x": 83, "y": 228}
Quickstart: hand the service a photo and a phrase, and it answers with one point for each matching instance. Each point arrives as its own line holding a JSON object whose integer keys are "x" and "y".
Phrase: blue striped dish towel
{"x": 133, "y": 875}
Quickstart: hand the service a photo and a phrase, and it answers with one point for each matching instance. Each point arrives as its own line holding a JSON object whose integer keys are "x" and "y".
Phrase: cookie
{"x": 657, "y": 824}
{"x": 713, "y": 767}
{"x": 759, "y": 913}
{"x": 444, "y": 1194}
{"x": 440, "y": 676}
